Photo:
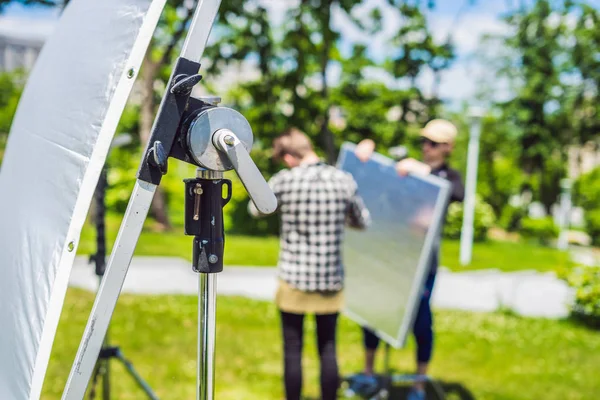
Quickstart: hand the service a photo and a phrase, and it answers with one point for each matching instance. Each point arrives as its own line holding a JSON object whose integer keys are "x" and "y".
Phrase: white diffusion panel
{"x": 386, "y": 264}
{"x": 57, "y": 146}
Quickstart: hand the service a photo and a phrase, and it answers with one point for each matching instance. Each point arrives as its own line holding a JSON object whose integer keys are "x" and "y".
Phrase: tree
{"x": 11, "y": 88}
{"x": 537, "y": 110}
{"x": 415, "y": 51}
{"x": 585, "y": 65}
{"x": 44, "y": 3}
{"x": 50, "y": 3}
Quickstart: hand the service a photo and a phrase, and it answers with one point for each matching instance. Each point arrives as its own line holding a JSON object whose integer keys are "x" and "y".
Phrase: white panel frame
{"x": 423, "y": 264}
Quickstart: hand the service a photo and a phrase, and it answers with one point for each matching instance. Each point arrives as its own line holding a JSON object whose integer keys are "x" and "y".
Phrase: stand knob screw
{"x": 213, "y": 259}
{"x": 229, "y": 140}
{"x": 197, "y": 191}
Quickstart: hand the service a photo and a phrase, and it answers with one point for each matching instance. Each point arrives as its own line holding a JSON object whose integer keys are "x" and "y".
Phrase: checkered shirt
{"x": 315, "y": 203}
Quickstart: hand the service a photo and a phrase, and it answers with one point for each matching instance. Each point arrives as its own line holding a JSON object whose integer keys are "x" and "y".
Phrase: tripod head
{"x": 215, "y": 139}
{"x": 200, "y": 133}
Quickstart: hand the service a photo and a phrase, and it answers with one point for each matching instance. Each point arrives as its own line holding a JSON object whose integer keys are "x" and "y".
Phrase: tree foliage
{"x": 11, "y": 87}
{"x": 552, "y": 67}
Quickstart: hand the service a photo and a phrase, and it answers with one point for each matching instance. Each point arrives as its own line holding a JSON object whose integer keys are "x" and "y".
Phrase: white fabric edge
{"x": 89, "y": 182}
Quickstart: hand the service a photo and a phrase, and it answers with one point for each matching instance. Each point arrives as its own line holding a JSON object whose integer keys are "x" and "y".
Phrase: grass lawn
{"x": 239, "y": 250}
{"x": 263, "y": 251}
{"x": 505, "y": 256}
{"x": 493, "y": 356}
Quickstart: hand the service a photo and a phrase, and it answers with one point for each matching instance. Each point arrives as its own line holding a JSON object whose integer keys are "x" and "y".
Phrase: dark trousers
{"x": 422, "y": 328}
{"x": 293, "y": 330}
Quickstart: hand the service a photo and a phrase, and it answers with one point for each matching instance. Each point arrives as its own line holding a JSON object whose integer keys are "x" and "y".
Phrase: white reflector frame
{"x": 57, "y": 146}
{"x": 387, "y": 264}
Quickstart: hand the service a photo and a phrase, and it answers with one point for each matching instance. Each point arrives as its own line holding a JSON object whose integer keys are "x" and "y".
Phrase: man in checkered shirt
{"x": 316, "y": 202}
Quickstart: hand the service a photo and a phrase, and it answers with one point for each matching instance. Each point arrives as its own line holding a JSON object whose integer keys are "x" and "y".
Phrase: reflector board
{"x": 57, "y": 146}
{"x": 386, "y": 265}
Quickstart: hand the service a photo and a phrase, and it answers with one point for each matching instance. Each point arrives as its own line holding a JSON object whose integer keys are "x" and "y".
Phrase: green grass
{"x": 263, "y": 251}
{"x": 505, "y": 256}
{"x": 239, "y": 250}
{"x": 493, "y": 356}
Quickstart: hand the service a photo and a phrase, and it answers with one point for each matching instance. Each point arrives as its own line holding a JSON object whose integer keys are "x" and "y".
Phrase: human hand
{"x": 364, "y": 149}
{"x": 422, "y": 220}
{"x": 412, "y": 166}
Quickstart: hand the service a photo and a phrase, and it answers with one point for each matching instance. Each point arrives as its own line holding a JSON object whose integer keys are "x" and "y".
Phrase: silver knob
{"x": 259, "y": 190}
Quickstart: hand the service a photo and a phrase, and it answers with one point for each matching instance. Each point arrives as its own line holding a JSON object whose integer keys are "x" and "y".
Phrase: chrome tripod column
{"x": 204, "y": 204}
{"x": 207, "y": 307}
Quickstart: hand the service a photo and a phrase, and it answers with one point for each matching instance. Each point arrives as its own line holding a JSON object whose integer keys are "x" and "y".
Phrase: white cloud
{"x": 468, "y": 31}
{"x": 27, "y": 28}
{"x": 379, "y": 43}
{"x": 278, "y": 8}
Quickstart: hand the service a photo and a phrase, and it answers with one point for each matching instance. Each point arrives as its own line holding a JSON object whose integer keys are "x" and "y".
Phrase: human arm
{"x": 458, "y": 188}
{"x": 357, "y": 213}
{"x": 364, "y": 149}
{"x": 412, "y": 166}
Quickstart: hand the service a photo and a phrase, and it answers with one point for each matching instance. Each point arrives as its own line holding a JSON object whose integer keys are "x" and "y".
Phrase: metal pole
{"x": 564, "y": 213}
{"x": 466, "y": 237}
{"x": 207, "y": 299}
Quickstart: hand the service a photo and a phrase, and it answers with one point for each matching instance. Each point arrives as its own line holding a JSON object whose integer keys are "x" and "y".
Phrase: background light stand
{"x": 215, "y": 139}
{"x": 108, "y": 352}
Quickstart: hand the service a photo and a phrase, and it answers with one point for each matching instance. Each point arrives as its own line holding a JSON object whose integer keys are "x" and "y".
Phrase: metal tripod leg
{"x": 134, "y": 374}
{"x": 109, "y": 291}
{"x": 101, "y": 371}
{"x": 207, "y": 299}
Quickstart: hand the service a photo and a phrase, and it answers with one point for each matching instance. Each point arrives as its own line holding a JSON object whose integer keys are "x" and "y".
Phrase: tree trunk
{"x": 148, "y": 108}
{"x": 326, "y": 135}
{"x": 158, "y": 208}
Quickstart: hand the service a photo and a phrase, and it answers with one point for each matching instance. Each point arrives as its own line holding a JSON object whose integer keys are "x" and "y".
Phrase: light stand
{"x": 214, "y": 139}
{"x": 204, "y": 204}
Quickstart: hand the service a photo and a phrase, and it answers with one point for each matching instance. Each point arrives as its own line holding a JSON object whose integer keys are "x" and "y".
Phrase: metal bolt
{"x": 212, "y": 100}
{"x": 71, "y": 246}
{"x": 229, "y": 140}
{"x": 130, "y": 73}
{"x": 213, "y": 259}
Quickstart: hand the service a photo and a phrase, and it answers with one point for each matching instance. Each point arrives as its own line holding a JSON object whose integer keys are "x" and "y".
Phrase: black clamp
{"x": 204, "y": 204}
{"x": 173, "y": 108}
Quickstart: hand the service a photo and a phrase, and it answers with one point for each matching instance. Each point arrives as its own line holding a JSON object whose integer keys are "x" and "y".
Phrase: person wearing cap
{"x": 437, "y": 143}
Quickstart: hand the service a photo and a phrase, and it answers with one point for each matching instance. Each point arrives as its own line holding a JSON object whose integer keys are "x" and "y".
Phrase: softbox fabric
{"x": 386, "y": 264}
{"x": 57, "y": 146}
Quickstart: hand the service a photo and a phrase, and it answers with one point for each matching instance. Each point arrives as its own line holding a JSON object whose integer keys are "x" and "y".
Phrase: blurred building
{"x": 583, "y": 159}
{"x": 21, "y": 41}
{"x": 18, "y": 52}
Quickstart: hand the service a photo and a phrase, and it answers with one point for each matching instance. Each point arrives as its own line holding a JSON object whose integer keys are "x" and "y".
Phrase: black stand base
{"x": 102, "y": 371}
{"x": 389, "y": 385}
{"x": 393, "y": 387}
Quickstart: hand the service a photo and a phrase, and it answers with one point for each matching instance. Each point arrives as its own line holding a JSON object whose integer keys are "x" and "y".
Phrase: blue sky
{"x": 467, "y": 22}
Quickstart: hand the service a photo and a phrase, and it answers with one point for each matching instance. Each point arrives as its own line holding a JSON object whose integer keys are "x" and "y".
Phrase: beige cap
{"x": 440, "y": 131}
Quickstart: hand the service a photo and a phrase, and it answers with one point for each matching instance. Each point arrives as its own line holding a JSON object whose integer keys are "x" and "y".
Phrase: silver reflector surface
{"x": 386, "y": 265}
{"x": 57, "y": 146}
